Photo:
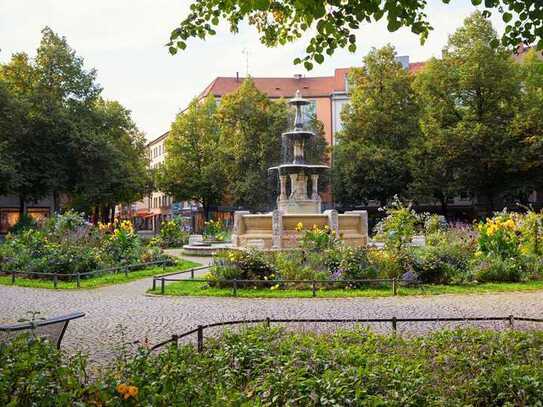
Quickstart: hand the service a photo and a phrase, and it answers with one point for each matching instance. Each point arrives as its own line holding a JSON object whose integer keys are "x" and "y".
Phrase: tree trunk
{"x": 205, "y": 208}
{"x": 55, "y": 202}
{"x": 112, "y": 213}
{"x": 21, "y": 206}
{"x": 444, "y": 206}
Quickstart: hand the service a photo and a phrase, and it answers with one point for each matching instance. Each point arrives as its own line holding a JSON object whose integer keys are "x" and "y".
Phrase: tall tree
{"x": 468, "y": 103}
{"x": 527, "y": 125}
{"x": 193, "y": 169}
{"x": 333, "y": 24}
{"x": 112, "y": 166}
{"x": 370, "y": 158}
{"x": 55, "y": 92}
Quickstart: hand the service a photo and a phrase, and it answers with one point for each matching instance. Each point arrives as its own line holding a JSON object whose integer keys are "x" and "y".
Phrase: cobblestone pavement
{"x": 157, "y": 318}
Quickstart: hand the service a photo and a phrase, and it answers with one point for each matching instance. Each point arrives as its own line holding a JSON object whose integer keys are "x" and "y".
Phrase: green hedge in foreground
{"x": 267, "y": 367}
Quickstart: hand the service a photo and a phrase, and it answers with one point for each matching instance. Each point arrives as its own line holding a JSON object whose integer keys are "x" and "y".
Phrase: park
{"x": 374, "y": 237}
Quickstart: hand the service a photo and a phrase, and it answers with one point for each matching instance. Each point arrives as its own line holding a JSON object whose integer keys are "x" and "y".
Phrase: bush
{"x": 496, "y": 269}
{"x": 498, "y": 237}
{"x": 275, "y": 367}
{"x": 67, "y": 244}
{"x": 34, "y": 373}
{"x": 398, "y": 228}
{"x": 25, "y": 222}
{"x": 242, "y": 265}
{"x": 171, "y": 234}
{"x": 349, "y": 263}
{"x": 446, "y": 258}
{"x": 214, "y": 230}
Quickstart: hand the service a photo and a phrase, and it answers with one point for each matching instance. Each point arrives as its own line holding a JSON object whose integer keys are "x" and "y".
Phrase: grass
{"x": 200, "y": 289}
{"x": 99, "y": 281}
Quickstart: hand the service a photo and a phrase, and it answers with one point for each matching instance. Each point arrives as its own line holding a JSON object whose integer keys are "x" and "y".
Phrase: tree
{"x": 193, "y": 169}
{"x": 55, "y": 92}
{"x": 66, "y": 140}
{"x": 370, "y": 158}
{"x": 527, "y": 125}
{"x": 468, "y": 103}
{"x": 332, "y": 24}
{"x": 112, "y": 165}
{"x": 10, "y": 122}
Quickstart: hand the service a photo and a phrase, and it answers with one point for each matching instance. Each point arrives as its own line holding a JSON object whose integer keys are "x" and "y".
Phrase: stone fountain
{"x": 277, "y": 230}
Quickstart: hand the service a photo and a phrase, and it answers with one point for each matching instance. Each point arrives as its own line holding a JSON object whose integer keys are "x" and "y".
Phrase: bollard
{"x": 78, "y": 280}
{"x": 162, "y": 285}
{"x": 55, "y": 280}
{"x": 192, "y": 274}
{"x": 175, "y": 340}
{"x": 394, "y": 287}
{"x": 154, "y": 283}
{"x": 394, "y": 324}
{"x": 13, "y": 277}
{"x": 511, "y": 321}
{"x": 268, "y": 322}
{"x": 200, "y": 338}
{"x": 235, "y": 288}
{"x": 126, "y": 271}
{"x": 313, "y": 288}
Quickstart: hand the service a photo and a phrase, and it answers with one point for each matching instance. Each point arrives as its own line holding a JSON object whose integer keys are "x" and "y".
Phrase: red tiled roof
{"x": 322, "y": 86}
{"x": 274, "y": 87}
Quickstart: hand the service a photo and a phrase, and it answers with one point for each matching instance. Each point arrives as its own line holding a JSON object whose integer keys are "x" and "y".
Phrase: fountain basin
{"x": 277, "y": 230}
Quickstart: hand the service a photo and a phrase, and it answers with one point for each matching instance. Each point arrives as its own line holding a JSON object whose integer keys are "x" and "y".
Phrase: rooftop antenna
{"x": 245, "y": 52}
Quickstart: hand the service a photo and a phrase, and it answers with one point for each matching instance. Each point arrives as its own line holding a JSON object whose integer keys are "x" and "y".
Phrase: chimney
{"x": 298, "y": 76}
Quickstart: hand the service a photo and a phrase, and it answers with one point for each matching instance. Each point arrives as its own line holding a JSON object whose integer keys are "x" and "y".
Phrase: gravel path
{"x": 156, "y": 318}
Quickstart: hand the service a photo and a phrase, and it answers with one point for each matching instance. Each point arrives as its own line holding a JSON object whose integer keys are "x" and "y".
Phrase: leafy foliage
{"x": 192, "y": 170}
{"x": 378, "y": 124}
{"x": 271, "y": 366}
{"x": 333, "y": 24}
{"x": 68, "y": 244}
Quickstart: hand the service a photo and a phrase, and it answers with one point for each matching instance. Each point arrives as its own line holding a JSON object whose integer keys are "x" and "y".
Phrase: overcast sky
{"x": 124, "y": 40}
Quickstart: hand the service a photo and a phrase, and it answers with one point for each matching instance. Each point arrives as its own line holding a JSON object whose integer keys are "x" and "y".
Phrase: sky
{"x": 125, "y": 41}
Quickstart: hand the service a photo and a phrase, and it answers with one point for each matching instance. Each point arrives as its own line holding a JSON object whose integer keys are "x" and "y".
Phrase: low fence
{"x": 199, "y": 331}
{"x": 236, "y": 284}
{"x": 126, "y": 269}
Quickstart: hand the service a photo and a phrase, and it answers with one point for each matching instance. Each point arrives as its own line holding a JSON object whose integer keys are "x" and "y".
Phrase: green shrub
{"x": 34, "y": 373}
{"x": 25, "y": 222}
{"x": 446, "y": 257}
{"x": 275, "y": 367}
{"x": 171, "y": 234}
{"x": 349, "y": 263}
{"x": 67, "y": 244}
{"x": 398, "y": 228}
{"x": 242, "y": 265}
{"x": 496, "y": 269}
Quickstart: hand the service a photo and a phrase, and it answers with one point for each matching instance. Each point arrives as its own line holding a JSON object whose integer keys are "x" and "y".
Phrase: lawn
{"x": 200, "y": 289}
{"x": 99, "y": 281}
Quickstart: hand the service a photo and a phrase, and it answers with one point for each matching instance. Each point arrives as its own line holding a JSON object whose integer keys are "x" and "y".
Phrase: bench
{"x": 51, "y": 328}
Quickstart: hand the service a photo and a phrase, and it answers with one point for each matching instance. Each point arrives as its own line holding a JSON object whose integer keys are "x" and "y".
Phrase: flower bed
{"x": 67, "y": 244}
{"x": 505, "y": 248}
{"x": 263, "y": 366}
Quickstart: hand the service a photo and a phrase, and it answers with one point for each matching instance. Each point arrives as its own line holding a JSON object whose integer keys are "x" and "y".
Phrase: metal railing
{"x": 168, "y": 277}
{"x": 41, "y": 327}
{"x": 236, "y": 284}
{"x": 126, "y": 269}
{"x": 199, "y": 331}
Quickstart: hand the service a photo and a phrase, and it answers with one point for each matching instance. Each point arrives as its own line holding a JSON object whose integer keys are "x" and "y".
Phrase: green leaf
{"x": 319, "y": 58}
{"x": 308, "y": 65}
{"x": 393, "y": 25}
{"x": 507, "y": 17}
{"x": 172, "y": 50}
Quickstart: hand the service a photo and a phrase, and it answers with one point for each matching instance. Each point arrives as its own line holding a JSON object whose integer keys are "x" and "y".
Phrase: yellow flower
{"x": 299, "y": 227}
{"x": 121, "y": 388}
{"x": 274, "y": 287}
{"x": 510, "y": 224}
